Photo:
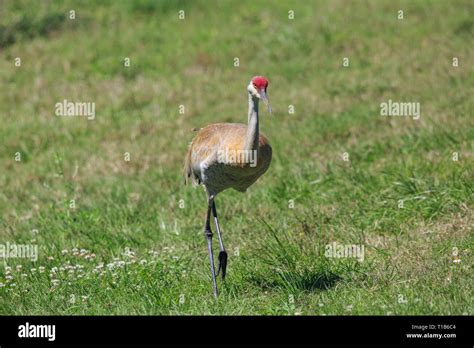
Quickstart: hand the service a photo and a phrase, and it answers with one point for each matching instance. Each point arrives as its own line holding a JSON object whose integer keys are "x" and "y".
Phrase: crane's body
{"x": 217, "y": 158}
{"x": 229, "y": 155}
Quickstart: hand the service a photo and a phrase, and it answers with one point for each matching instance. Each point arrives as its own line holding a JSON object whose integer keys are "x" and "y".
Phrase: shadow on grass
{"x": 29, "y": 27}
{"x": 294, "y": 262}
{"x": 318, "y": 281}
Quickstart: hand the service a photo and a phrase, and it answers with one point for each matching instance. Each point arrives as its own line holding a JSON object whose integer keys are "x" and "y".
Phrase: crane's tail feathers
{"x": 188, "y": 171}
{"x": 189, "y": 175}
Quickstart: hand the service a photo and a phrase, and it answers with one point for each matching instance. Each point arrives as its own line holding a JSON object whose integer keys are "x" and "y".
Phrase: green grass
{"x": 129, "y": 247}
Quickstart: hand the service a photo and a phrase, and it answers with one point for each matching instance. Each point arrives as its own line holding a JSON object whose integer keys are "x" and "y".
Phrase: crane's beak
{"x": 264, "y": 97}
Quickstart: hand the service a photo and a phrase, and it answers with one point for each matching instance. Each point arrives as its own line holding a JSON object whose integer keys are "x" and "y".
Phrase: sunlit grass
{"x": 400, "y": 194}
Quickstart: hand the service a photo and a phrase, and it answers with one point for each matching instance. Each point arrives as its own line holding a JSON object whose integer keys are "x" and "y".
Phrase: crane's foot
{"x": 222, "y": 264}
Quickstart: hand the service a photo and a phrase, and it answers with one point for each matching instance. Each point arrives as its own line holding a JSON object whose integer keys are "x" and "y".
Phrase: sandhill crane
{"x": 228, "y": 155}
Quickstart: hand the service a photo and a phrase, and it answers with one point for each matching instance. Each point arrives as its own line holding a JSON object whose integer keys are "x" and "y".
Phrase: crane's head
{"x": 258, "y": 89}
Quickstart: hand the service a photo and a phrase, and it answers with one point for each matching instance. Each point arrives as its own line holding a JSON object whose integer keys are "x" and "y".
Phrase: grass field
{"x": 126, "y": 237}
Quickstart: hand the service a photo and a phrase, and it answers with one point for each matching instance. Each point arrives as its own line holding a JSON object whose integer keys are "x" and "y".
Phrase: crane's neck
{"x": 252, "y": 139}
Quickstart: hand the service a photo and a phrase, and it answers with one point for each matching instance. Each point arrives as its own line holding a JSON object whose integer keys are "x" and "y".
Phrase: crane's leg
{"x": 208, "y": 234}
{"x": 222, "y": 264}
